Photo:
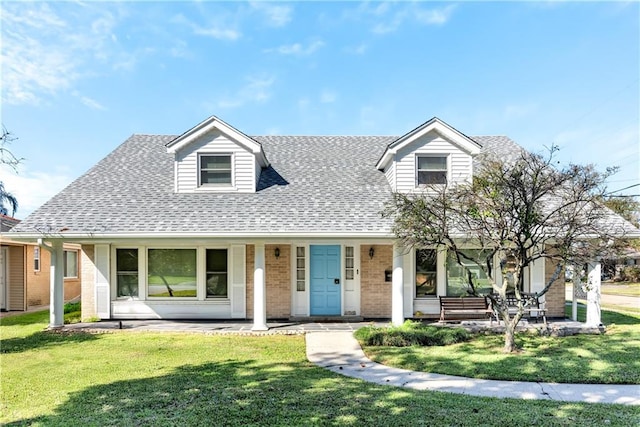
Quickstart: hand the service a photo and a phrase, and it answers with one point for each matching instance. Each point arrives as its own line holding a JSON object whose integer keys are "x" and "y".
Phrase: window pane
{"x": 172, "y": 272}
{"x": 70, "y": 264}
{"x": 215, "y": 162}
{"x": 457, "y": 283}
{"x": 432, "y": 163}
{"x": 127, "y": 272}
{"x": 349, "y": 251}
{"x": 217, "y": 277}
{"x": 36, "y": 258}
{"x": 127, "y": 259}
{"x": 208, "y": 177}
{"x": 300, "y": 269}
{"x": 349, "y": 274}
{"x": 217, "y": 285}
{"x": 349, "y": 262}
{"x": 432, "y": 177}
{"x": 217, "y": 260}
{"x": 426, "y": 272}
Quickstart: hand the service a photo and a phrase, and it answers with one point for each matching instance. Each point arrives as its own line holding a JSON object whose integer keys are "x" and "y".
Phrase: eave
{"x": 434, "y": 125}
{"x": 212, "y": 123}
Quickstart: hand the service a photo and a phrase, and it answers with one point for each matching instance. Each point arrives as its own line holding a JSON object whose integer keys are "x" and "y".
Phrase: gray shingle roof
{"x": 315, "y": 184}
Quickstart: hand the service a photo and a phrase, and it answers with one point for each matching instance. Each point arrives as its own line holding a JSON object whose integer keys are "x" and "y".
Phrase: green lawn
{"x": 629, "y": 289}
{"x": 129, "y": 378}
{"x": 609, "y": 358}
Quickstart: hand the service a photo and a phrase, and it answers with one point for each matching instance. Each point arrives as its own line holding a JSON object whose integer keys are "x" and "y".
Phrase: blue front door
{"x": 326, "y": 286}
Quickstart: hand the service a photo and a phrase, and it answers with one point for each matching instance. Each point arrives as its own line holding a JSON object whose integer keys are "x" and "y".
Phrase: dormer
{"x": 433, "y": 153}
{"x": 216, "y": 157}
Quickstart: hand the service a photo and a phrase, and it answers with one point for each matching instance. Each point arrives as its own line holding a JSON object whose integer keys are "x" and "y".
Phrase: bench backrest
{"x": 529, "y": 299}
{"x": 464, "y": 303}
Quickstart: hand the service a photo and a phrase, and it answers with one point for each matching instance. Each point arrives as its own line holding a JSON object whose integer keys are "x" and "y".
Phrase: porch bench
{"x": 464, "y": 308}
{"x": 533, "y": 308}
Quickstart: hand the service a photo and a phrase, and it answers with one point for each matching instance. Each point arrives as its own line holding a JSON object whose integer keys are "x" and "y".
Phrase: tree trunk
{"x": 510, "y": 325}
{"x": 509, "y": 337}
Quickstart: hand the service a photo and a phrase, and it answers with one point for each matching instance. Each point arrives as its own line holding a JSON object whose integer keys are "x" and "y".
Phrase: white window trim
{"x": 414, "y": 264}
{"x": 201, "y": 273}
{"x": 65, "y": 263}
{"x": 114, "y": 268}
{"x": 36, "y": 258}
{"x": 448, "y": 171}
{"x": 145, "y": 279}
{"x": 229, "y": 273}
{"x": 215, "y": 187}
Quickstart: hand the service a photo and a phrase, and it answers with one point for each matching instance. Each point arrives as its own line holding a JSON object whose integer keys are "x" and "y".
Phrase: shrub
{"x": 631, "y": 273}
{"x": 411, "y": 333}
{"x": 72, "y": 313}
{"x": 70, "y": 307}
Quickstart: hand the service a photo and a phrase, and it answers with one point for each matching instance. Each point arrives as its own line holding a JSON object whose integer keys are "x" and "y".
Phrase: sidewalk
{"x": 341, "y": 353}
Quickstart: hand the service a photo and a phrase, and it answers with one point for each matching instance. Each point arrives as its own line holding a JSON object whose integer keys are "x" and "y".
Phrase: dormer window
{"x": 215, "y": 170}
{"x": 431, "y": 170}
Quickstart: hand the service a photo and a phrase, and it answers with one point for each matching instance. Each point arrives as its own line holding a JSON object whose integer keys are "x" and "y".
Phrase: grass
{"x": 611, "y": 358}
{"x": 129, "y": 378}
{"x": 629, "y": 289}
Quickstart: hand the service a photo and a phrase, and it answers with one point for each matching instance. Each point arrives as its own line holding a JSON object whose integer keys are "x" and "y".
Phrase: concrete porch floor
{"x": 555, "y": 327}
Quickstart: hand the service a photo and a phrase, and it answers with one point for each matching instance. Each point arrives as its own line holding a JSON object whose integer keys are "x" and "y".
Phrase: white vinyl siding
{"x": 258, "y": 171}
{"x": 459, "y": 162}
{"x": 390, "y": 173}
{"x": 243, "y": 165}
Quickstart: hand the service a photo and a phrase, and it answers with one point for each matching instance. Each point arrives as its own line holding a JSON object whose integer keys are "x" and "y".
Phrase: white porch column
{"x": 259, "y": 291}
{"x": 574, "y": 297}
{"x": 56, "y": 285}
{"x": 593, "y": 295}
{"x": 397, "y": 288}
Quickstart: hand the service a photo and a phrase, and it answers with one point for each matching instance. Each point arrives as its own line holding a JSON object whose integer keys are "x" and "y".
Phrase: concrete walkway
{"x": 341, "y": 353}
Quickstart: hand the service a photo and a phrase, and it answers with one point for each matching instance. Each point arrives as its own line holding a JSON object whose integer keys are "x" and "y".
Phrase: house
{"x": 216, "y": 224}
{"x": 24, "y": 271}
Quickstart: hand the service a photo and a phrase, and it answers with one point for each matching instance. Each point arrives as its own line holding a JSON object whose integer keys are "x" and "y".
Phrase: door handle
{"x": 336, "y": 281}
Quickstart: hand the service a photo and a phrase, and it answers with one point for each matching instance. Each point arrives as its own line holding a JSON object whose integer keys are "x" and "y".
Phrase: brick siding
{"x": 375, "y": 300}
{"x": 88, "y": 276}
{"x": 556, "y": 295}
{"x": 278, "y": 281}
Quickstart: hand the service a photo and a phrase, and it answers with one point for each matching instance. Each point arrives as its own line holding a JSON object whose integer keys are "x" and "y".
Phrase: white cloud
{"x": 388, "y": 17}
{"x": 257, "y": 90}
{"x": 218, "y": 33}
{"x": 44, "y": 53}
{"x": 297, "y": 49}
{"x": 357, "y": 50}
{"x": 328, "y": 96}
{"x": 434, "y": 16}
{"x": 85, "y": 100}
{"x": 33, "y": 189}
{"x": 213, "y": 29}
{"x": 277, "y": 15}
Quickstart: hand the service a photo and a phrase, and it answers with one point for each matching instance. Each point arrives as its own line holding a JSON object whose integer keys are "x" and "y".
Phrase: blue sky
{"x": 78, "y": 78}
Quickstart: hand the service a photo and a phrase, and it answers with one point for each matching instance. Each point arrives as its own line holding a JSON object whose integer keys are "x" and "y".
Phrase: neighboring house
{"x": 215, "y": 224}
{"x": 24, "y": 271}
{"x": 617, "y": 268}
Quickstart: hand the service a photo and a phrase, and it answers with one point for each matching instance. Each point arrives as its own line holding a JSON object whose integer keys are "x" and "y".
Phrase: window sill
{"x": 216, "y": 189}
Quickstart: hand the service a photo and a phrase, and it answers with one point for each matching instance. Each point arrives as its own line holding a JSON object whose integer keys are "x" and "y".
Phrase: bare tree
{"x": 9, "y": 159}
{"x": 516, "y": 212}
